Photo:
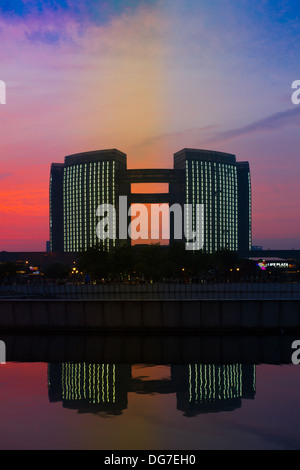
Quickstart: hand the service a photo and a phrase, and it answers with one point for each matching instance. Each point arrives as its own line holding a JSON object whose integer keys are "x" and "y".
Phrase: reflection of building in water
{"x": 202, "y": 388}
{"x": 199, "y": 388}
{"x": 90, "y": 387}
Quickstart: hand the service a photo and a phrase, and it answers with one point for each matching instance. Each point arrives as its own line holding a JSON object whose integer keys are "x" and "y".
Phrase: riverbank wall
{"x": 150, "y": 315}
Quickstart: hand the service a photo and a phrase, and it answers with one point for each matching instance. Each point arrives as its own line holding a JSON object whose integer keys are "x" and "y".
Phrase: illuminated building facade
{"x": 88, "y": 180}
{"x": 199, "y": 177}
{"x": 211, "y": 179}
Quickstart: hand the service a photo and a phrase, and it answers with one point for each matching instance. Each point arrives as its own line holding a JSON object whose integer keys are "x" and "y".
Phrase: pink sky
{"x": 150, "y": 81}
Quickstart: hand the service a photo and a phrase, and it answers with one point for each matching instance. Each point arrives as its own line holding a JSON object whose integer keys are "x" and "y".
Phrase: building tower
{"x": 56, "y": 215}
{"x": 90, "y": 179}
{"x": 244, "y": 208}
{"x": 211, "y": 180}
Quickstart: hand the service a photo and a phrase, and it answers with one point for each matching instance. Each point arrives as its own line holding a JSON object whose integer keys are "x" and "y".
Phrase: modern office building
{"x": 89, "y": 180}
{"x": 212, "y": 180}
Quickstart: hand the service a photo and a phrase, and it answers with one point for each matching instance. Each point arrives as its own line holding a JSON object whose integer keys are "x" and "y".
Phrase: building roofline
{"x": 95, "y": 155}
{"x": 202, "y": 154}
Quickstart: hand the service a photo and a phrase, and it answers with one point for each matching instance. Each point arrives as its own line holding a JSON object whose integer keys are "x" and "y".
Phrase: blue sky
{"x": 94, "y": 10}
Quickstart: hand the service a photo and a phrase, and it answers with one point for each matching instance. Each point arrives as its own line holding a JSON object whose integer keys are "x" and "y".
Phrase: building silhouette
{"x": 199, "y": 177}
{"x": 56, "y": 213}
{"x": 244, "y": 207}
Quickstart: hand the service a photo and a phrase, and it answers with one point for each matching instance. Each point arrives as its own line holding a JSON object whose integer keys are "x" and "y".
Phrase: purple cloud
{"x": 269, "y": 123}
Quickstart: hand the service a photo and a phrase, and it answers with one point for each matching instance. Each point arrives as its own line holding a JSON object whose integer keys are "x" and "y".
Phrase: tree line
{"x": 153, "y": 263}
{"x": 146, "y": 263}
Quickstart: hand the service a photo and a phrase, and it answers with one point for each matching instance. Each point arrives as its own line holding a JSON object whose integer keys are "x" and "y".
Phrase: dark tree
{"x": 95, "y": 263}
{"x": 122, "y": 263}
{"x": 57, "y": 271}
{"x": 8, "y": 271}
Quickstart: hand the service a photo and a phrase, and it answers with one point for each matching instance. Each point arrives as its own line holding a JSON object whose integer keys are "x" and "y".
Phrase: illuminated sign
{"x": 33, "y": 268}
{"x": 261, "y": 264}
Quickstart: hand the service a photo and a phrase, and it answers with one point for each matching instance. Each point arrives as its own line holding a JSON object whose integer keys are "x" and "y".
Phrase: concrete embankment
{"x": 150, "y": 315}
{"x": 156, "y": 291}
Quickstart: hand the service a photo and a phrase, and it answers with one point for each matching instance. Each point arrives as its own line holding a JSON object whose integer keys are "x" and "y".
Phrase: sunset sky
{"x": 149, "y": 78}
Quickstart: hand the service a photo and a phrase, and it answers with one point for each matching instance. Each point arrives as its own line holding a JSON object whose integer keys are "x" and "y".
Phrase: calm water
{"x": 119, "y": 405}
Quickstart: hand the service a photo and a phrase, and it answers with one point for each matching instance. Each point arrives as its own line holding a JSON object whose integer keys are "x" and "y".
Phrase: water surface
{"x": 109, "y": 406}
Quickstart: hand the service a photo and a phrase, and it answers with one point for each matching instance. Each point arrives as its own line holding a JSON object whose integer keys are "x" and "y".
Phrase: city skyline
{"x": 148, "y": 78}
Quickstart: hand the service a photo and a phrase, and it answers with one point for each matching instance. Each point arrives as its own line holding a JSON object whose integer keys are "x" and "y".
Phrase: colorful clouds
{"x": 149, "y": 78}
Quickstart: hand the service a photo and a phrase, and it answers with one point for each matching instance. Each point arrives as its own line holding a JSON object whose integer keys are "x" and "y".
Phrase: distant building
{"x": 214, "y": 179}
{"x": 56, "y": 213}
{"x": 38, "y": 258}
{"x": 244, "y": 207}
